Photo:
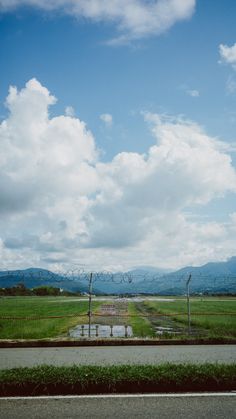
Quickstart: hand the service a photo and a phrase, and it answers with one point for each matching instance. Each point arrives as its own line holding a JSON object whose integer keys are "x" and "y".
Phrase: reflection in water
{"x": 101, "y": 331}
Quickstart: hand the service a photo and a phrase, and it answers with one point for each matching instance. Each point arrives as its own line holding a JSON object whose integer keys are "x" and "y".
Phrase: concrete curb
{"x": 46, "y": 343}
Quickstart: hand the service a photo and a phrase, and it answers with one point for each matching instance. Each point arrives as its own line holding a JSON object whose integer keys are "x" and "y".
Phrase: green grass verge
{"x": 44, "y": 380}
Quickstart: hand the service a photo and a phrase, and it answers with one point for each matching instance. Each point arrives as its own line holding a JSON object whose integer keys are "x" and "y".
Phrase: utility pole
{"x": 90, "y": 303}
{"x": 188, "y": 304}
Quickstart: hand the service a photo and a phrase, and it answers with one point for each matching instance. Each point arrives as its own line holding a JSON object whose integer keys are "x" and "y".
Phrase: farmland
{"x": 53, "y": 317}
{"x": 211, "y": 318}
{"x": 62, "y": 315}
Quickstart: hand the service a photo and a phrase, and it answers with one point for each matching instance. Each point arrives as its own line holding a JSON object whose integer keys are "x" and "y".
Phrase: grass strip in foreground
{"x": 51, "y": 380}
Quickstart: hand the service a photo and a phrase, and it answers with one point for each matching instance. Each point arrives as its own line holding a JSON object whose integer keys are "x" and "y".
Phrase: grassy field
{"x": 141, "y": 326}
{"x": 74, "y": 313}
{"x": 144, "y": 317}
{"x": 210, "y": 316}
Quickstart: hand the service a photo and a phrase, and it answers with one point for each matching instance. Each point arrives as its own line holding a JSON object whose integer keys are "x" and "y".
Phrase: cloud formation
{"x": 228, "y": 54}
{"x": 193, "y": 93}
{"x": 60, "y": 202}
{"x": 107, "y": 119}
{"x": 69, "y": 111}
{"x": 134, "y": 19}
{"x": 231, "y": 85}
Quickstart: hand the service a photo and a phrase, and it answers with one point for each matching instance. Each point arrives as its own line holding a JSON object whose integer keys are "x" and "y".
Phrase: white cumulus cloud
{"x": 228, "y": 54}
{"x": 41, "y": 156}
{"x": 180, "y": 170}
{"x": 134, "y": 18}
{"x": 60, "y": 202}
{"x": 69, "y": 111}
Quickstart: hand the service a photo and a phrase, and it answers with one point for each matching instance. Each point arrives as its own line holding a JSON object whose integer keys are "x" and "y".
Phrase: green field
{"x": 74, "y": 312}
{"x": 142, "y": 326}
{"x": 36, "y": 317}
{"x": 214, "y": 317}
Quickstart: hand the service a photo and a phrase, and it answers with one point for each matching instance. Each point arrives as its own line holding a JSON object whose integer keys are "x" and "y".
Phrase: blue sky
{"x": 172, "y": 71}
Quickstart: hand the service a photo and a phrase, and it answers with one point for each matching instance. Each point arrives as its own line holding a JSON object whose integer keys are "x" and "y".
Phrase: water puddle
{"x": 169, "y": 330}
{"x": 160, "y": 330}
{"x": 101, "y": 331}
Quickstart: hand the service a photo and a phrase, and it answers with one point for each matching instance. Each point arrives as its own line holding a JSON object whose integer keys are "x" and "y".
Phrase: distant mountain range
{"x": 212, "y": 278}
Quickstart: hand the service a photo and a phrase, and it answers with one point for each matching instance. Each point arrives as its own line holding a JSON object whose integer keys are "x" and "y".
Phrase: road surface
{"x": 199, "y": 406}
{"x": 116, "y": 355}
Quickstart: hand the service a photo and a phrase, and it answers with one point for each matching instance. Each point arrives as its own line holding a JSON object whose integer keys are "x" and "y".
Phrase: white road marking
{"x": 125, "y": 396}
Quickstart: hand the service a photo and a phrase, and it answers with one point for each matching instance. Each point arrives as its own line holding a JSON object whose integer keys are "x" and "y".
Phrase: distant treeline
{"x": 20, "y": 289}
{"x": 43, "y": 290}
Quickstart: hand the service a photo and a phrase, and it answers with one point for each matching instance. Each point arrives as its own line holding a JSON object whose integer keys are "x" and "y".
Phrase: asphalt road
{"x": 116, "y": 355}
{"x": 151, "y": 406}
